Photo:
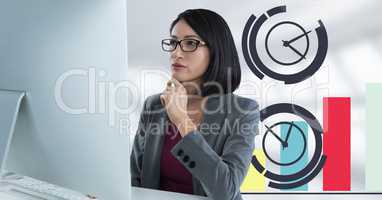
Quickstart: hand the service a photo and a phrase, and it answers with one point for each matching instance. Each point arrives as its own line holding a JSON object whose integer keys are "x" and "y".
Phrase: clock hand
{"x": 298, "y": 37}
{"x": 295, "y": 50}
{"x": 289, "y": 130}
{"x": 273, "y": 133}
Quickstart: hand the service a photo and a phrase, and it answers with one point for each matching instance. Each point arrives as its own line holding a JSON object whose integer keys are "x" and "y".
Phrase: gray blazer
{"x": 217, "y": 155}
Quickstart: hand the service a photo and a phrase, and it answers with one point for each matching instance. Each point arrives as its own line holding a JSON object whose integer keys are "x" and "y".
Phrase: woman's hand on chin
{"x": 174, "y": 98}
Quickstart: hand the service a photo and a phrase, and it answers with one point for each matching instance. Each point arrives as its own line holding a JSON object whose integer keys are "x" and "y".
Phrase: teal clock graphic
{"x": 293, "y": 133}
{"x": 250, "y": 40}
{"x": 298, "y": 151}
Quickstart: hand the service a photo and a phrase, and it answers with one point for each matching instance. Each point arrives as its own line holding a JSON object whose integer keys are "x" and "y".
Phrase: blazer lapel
{"x": 213, "y": 116}
{"x": 154, "y": 146}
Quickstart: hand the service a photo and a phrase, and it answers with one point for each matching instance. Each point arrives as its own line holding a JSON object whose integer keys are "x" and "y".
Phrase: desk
{"x": 147, "y": 194}
{"x": 136, "y": 193}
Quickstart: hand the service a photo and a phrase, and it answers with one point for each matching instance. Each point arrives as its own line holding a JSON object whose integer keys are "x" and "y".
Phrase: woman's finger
{"x": 163, "y": 99}
{"x": 168, "y": 88}
{"x": 176, "y": 82}
{"x": 178, "y": 85}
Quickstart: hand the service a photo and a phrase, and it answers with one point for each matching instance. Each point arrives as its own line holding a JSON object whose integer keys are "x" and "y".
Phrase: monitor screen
{"x": 70, "y": 57}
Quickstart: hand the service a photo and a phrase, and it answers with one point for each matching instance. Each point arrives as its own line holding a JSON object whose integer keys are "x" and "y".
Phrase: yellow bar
{"x": 254, "y": 181}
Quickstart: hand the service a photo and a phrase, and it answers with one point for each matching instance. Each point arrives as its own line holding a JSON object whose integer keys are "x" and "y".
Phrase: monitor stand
{"x": 10, "y": 101}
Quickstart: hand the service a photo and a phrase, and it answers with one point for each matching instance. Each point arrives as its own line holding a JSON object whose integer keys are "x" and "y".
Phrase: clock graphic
{"x": 313, "y": 166}
{"x": 288, "y": 44}
{"x": 284, "y": 142}
{"x": 251, "y": 55}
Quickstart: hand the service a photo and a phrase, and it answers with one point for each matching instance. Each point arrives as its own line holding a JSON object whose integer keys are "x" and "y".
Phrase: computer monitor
{"x": 70, "y": 57}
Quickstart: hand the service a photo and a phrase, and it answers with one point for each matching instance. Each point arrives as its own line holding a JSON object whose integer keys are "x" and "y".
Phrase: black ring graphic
{"x": 254, "y": 62}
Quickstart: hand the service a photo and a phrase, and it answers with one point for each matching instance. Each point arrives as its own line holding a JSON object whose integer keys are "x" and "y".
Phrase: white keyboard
{"x": 41, "y": 189}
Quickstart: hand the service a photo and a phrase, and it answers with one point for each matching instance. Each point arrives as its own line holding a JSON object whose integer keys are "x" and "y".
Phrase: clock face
{"x": 272, "y": 136}
{"x": 289, "y": 50}
{"x": 287, "y": 44}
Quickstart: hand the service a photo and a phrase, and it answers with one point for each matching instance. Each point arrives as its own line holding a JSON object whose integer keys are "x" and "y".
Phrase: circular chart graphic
{"x": 254, "y": 61}
{"x": 316, "y": 162}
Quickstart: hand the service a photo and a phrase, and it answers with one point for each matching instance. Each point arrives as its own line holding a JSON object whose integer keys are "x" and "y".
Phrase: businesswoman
{"x": 196, "y": 136}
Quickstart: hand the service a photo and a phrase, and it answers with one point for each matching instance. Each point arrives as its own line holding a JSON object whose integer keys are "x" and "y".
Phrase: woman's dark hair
{"x": 224, "y": 66}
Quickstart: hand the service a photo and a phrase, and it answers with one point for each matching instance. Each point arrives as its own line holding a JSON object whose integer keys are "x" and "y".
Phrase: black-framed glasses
{"x": 187, "y": 45}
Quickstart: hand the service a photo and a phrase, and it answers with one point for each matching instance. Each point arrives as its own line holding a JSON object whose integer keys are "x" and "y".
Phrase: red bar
{"x": 337, "y": 169}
